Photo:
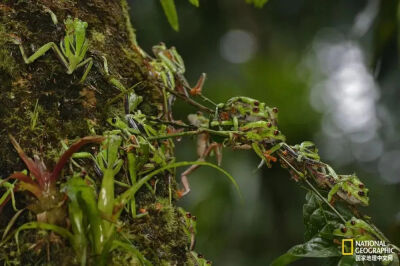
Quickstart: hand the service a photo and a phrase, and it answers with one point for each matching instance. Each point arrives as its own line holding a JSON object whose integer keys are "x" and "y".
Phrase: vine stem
{"x": 196, "y": 132}
{"x": 315, "y": 190}
{"x": 190, "y": 101}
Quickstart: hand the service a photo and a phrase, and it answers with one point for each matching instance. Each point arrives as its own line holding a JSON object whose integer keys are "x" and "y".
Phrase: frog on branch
{"x": 72, "y": 49}
{"x": 240, "y": 123}
{"x": 360, "y": 230}
{"x": 168, "y": 67}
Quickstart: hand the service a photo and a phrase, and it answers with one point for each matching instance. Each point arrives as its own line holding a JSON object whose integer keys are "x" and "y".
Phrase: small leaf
{"x": 315, "y": 248}
{"x": 170, "y": 13}
{"x": 195, "y": 3}
{"x": 257, "y": 3}
{"x": 83, "y": 197}
{"x": 133, "y": 250}
{"x": 128, "y": 194}
{"x": 347, "y": 261}
{"x": 317, "y": 215}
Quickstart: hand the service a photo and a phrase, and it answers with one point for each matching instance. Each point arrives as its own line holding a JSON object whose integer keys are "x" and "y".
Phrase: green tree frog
{"x": 73, "y": 48}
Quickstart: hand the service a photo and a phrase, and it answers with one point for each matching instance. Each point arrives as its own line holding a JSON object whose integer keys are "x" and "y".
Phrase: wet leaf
{"x": 257, "y": 3}
{"x": 195, "y": 2}
{"x": 315, "y": 248}
{"x": 170, "y": 12}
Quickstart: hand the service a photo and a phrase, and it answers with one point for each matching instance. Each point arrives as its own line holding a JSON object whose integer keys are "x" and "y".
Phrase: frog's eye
{"x": 353, "y": 222}
{"x": 194, "y": 218}
{"x": 343, "y": 230}
{"x": 269, "y": 124}
{"x": 83, "y": 173}
{"x": 276, "y": 132}
{"x": 199, "y": 256}
{"x": 256, "y": 103}
{"x": 275, "y": 109}
{"x": 209, "y": 262}
{"x": 188, "y": 215}
{"x": 361, "y": 193}
{"x": 255, "y": 109}
{"x": 361, "y": 186}
{"x": 114, "y": 120}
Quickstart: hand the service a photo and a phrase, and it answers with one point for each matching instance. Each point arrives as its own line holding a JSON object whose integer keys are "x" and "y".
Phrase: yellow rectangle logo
{"x": 346, "y": 246}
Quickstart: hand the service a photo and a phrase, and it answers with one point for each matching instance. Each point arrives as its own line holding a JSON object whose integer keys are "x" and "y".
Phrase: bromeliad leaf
{"x": 128, "y": 194}
{"x": 195, "y": 2}
{"x": 170, "y": 12}
{"x": 257, "y": 3}
{"x": 315, "y": 248}
{"x": 83, "y": 197}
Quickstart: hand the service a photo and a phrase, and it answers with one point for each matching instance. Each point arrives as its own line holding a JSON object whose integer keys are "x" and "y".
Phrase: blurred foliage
{"x": 172, "y": 15}
{"x": 268, "y": 222}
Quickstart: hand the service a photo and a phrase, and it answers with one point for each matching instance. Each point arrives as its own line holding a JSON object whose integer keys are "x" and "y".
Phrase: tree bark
{"x": 66, "y": 108}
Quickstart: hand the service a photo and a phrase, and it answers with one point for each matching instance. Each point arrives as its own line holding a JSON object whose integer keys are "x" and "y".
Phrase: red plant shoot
{"x": 41, "y": 182}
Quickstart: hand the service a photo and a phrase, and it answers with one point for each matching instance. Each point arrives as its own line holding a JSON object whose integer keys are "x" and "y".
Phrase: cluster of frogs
{"x": 240, "y": 123}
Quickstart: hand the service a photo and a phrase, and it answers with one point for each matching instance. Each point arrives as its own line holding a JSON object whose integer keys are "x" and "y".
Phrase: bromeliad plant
{"x": 141, "y": 149}
{"x": 93, "y": 214}
{"x": 42, "y": 183}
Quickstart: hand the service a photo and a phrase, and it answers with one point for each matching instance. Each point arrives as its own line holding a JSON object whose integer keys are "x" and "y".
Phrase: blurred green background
{"x": 332, "y": 69}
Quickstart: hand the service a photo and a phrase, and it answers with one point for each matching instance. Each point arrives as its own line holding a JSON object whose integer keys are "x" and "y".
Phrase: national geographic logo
{"x": 367, "y": 250}
{"x": 347, "y": 247}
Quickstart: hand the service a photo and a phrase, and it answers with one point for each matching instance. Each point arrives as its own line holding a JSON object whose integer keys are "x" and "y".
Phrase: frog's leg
{"x": 185, "y": 182}
{"x": 52, "y": 15}
{"x": 40, "y": 52}
{"x": 333, "y": 191}
{"x": 113, "y": 81}
{"x": 336, "y": 188}
{"x": 266, "y": 156}
{"x": 167, "y": 81}
{"x": 89, "y": 63}
{"x": 197, "y": 89}
{"x": 182, "y": 85}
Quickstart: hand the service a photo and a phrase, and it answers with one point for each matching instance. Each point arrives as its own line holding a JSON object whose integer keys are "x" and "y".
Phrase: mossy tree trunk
{"x": 67, "y": 109}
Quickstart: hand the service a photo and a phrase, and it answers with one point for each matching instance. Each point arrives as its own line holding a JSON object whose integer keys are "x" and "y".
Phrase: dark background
{"x": 331, "y": 67}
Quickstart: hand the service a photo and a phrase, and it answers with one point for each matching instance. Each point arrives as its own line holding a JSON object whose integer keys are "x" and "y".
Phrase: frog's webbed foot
{"x": 197, "y": 89}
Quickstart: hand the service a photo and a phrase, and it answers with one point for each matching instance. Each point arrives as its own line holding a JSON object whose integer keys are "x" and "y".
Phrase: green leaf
{"x": 37, "y": 225}
{"x": 347, "y": 261}
{"x": 84, "y": 196}
{"x": 317, "y": 216}
{"x": 170, "y": 13}
{"x": 315, "y": 248}
{"x": 195, "y": 3}
{"x": 128, "y": 194}
{"x": 257, "y": 3}
{"x": 133, "y": 250}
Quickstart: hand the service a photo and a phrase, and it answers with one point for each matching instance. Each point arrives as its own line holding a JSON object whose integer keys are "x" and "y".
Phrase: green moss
{"x": 97, "y": 37}
{"x": 7, "y": 62}
{"x": 62, "y": 116}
